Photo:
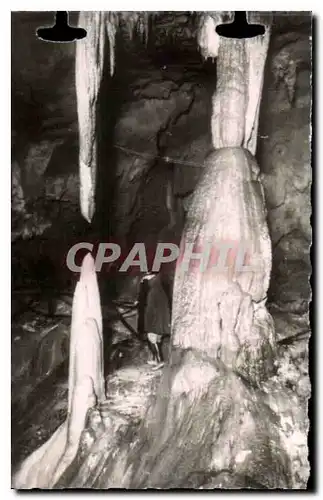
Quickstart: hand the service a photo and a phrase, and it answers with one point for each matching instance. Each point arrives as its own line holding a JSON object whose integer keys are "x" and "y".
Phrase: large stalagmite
{"x": 228, "y": 208}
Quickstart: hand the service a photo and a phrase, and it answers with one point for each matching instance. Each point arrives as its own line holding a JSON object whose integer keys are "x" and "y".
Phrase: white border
{"x": 5, "y": 196}
{"x": 274, "y": 5}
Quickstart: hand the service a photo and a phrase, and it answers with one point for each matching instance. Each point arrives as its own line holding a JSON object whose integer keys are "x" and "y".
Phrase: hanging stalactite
{"x": 112, "y": 23}
{"x": 90, "y": 53}
{"x": 247, "y": 59}
{"x": 207, "y": 38}
{"x": 256, "y": 53}
{"x": 88, "y": 73}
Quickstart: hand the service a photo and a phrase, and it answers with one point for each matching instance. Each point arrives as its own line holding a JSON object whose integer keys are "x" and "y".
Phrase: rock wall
{"x": 44, "y": 124}
{"x": 284, "y": 152}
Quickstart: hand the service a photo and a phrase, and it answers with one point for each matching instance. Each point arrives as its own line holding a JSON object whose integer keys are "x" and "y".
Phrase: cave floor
{"x": 40, "y": 373}
{"x": 40, "y": 370}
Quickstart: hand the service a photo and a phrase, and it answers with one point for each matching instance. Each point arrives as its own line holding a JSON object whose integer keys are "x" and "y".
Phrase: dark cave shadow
{"x": 113, "y": 93}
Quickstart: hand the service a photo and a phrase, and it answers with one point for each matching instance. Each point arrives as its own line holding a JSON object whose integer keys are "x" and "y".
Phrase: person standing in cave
{"x": 154, "y": 315}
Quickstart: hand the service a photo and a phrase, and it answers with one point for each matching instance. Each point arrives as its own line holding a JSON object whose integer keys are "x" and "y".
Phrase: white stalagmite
{"x": 44, "y": 467}
{"x": 86, "y": 317}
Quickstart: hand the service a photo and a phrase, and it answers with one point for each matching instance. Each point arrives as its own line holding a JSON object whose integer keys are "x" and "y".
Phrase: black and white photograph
{"x": 161, "y": 183}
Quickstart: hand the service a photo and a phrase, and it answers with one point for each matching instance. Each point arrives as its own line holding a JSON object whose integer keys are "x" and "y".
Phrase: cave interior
{"x": 153, "y": 132}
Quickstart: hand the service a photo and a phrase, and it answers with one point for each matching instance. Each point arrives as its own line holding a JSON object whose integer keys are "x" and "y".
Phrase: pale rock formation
{"x": 44, "y": 467}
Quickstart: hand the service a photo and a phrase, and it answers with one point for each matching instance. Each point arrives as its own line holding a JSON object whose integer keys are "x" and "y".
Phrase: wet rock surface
{"x": 284, "y": 151}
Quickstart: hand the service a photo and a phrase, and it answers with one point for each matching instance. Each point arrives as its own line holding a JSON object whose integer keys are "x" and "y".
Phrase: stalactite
{"x": 112, "y": 23}
{"x": 256, "y": 51}
{"x": 89, "y": 72}
{"x": 133, "y": 22}
{"x": 207, "y": 38}
{"x": 145, "y": 27}
{"x": 229, "y": 102}
{"x": 250, "y": 65}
